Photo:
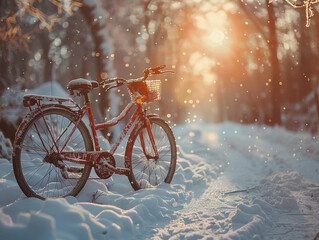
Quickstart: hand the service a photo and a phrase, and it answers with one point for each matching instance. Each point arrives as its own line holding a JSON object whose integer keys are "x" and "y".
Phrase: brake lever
{"x": 154, "y": 71}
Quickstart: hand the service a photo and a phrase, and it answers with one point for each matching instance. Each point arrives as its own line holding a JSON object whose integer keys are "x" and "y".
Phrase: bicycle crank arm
{"x": 89, "y": 158}
{"x": 122, "y": 171}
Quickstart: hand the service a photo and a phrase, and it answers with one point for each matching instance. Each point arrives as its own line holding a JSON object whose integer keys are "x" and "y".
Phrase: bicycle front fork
{"x": 151, "y": 137}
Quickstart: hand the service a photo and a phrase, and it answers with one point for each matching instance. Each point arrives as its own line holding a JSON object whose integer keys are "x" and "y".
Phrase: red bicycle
{"x": 54, "y": 151}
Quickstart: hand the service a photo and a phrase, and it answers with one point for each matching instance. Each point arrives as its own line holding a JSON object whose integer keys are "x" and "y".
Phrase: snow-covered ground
{"x": 232, "y": 182}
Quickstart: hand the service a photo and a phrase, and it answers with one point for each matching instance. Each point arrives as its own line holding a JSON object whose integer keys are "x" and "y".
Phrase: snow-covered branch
{"x": 300, "y": 4}
{"x": 30, "y": 12}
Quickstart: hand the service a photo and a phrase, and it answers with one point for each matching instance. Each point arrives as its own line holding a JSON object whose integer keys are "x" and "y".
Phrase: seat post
{"x": 86, "y": 97}
{"x": 91, "y": 119}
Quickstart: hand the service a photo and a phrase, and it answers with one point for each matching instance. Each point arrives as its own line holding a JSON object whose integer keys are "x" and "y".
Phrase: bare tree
{"x": 270, "y": 37}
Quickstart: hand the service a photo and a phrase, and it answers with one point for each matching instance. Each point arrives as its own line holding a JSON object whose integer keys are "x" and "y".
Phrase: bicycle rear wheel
{"x": 145, "y": 169}
{"x": 34, "y": 163}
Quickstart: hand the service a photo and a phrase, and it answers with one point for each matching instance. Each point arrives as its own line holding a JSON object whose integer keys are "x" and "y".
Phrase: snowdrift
{"x": 103, "y": 208}
{"x": 231, "y": 182}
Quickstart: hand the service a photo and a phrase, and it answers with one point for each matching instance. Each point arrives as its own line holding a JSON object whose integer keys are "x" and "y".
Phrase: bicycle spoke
{"x": 146, "y": 167}
{"x": 53, "y": 130}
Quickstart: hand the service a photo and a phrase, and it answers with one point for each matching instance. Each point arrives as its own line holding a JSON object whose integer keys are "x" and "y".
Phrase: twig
{"x": 295, "y": 5}
{"x": 240, "y": 191}
{"x": 96, "y": 195}
{"x": 307, "y": 4}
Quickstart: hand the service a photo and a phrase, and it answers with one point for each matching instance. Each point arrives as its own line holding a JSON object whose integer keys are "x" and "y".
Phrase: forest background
{"x": 242, "y": 61}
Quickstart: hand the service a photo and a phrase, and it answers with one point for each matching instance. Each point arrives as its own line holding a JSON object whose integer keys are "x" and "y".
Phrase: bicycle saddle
{"x": 82, "y": 85}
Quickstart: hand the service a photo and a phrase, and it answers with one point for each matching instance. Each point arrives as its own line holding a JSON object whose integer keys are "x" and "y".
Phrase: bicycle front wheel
{"x": 145, "y": 169}
{"x": 36, "y": 166}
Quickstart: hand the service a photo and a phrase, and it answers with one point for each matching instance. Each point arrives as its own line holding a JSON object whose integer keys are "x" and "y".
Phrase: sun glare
{"x": 214, "y": 26}
{"x": 217, "y": 37}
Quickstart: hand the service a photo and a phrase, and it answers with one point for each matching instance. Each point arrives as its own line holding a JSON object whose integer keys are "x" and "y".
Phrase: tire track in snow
{"x": 255, "y": 162}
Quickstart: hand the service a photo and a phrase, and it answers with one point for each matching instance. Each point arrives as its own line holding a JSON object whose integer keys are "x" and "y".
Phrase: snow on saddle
{"x": 82, "y": 85}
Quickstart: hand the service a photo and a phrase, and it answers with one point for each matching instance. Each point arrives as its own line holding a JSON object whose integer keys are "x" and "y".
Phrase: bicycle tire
{"x": 151, "y": 172}
{"x": 32, "y": 145}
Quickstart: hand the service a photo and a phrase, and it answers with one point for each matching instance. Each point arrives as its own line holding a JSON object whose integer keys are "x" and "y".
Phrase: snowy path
{"x": 260, "y": 192}
{"x": 232, "y": 182}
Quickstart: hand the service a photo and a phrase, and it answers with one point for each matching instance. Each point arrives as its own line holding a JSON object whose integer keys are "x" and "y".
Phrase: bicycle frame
{"x": 78, "y": 157}
{"x": 57, "y": 143}
{"x": 138, "y": 117}
{"x": 113, "y": 122}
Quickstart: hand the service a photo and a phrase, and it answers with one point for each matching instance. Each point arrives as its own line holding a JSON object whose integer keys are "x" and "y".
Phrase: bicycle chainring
{"x": 101, "y": 165}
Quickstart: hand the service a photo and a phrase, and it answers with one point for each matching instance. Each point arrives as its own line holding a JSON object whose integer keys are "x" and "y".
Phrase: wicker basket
{"x": 148, "y": 90}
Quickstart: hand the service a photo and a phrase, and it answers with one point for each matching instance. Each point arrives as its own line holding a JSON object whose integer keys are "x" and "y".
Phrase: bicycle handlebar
{"x": 147, "y": 72}
{"x": 156, "y": 70}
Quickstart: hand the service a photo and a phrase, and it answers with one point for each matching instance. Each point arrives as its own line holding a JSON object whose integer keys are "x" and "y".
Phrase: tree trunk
{"x": 275, "y": 71}
{"x": 305, "y": 60}
{"x": 316, "y": 72}
{"x": 47, "y": 71}
{"x": 220, "y": 99}
{"x": 100, "y": 37}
